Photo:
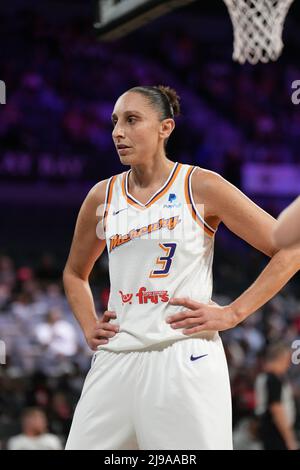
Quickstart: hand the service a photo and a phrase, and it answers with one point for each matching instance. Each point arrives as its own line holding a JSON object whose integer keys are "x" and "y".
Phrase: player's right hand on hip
{"x": 102, "y": 330}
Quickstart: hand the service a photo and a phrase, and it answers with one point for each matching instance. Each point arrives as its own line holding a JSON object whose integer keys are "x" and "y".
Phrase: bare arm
{"x": 285, "y": 430}
{"x": 251, "y": 223}
{"x": 223, "y": 202}
{"x": 287, "y": 229}
{"x": 85, "y": 250}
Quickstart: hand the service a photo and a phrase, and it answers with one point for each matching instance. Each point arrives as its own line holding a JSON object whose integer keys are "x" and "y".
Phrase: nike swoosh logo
{"x": 117, "y": 212}
{"x": 194, "y": 358}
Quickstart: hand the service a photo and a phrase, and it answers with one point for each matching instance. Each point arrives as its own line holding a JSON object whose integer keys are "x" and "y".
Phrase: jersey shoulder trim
{"x": 108, "y": 197}
{"x": 192, "y": 206}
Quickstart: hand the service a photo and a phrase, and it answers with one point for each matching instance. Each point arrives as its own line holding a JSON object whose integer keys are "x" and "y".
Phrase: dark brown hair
{"x": 163, "y": 98}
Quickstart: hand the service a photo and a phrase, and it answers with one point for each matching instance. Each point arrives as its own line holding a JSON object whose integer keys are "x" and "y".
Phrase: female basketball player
{"x": 159, "y": 378}
{"x": 287, "y": 229}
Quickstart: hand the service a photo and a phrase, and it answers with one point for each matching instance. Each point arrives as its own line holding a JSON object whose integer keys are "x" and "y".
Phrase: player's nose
{"x": 118, "y": 132}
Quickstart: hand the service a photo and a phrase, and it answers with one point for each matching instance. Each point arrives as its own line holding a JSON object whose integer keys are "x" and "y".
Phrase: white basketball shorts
{"x": 171, "y": 397}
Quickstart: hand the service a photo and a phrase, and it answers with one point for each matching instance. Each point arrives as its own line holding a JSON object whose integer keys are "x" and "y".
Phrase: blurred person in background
{"x": 287, "y": 230}
{"x": 59, "y": 342}
{"x": 56, "y": 335}
{"x": 34, "y": 435}
{"x": 275, "y": 406}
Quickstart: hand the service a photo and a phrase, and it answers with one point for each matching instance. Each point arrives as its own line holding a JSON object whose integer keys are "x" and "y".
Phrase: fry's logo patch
{"x": 143, "y": 296}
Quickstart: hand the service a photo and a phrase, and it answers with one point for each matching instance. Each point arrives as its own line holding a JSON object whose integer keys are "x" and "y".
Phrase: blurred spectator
{"x": 58, "y": 339}
{"x": 34, "y": 434}
{"x": 275, "y": 405}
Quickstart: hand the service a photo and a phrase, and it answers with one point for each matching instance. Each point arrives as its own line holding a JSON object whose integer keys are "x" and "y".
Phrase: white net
{"x": 257, "y": 28}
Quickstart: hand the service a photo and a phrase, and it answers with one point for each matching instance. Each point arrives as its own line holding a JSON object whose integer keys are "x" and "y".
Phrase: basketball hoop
{"x": 257, "y": 28}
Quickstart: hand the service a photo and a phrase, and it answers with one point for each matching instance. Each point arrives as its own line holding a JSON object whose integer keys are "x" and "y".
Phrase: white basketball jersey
{"x": 157, "y": 250}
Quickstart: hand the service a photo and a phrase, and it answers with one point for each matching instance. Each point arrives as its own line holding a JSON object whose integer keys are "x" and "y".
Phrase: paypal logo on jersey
{"x": 172, "y": 198}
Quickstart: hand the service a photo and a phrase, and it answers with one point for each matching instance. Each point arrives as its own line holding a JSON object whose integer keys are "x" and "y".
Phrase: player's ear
{"x": 166, "y": 128}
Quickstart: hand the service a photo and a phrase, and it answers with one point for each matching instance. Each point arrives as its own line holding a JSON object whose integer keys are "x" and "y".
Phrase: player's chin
{"x": 128, "y": 159}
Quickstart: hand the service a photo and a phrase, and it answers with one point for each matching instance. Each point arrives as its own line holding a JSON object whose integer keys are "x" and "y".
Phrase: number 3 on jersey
{"x": 164, "y": 261}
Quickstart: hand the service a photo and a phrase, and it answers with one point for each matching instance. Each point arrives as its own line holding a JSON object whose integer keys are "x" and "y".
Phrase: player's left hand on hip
{"x": 200, "y": 316}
